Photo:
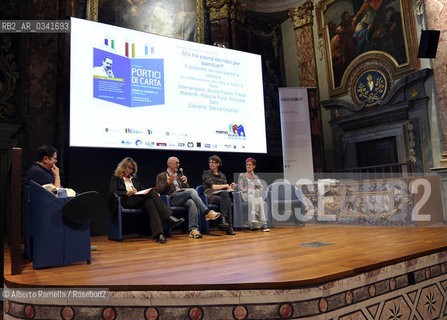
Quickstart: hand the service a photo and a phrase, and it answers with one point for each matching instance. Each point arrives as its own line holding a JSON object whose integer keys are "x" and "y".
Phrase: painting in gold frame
{"x": 181, "y": 19}
{"x": 357, "y": 31}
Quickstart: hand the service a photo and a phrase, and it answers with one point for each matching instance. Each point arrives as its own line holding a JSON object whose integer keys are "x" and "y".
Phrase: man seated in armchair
{"x": 44, "y": 170}
{"x": 173, "y": 183}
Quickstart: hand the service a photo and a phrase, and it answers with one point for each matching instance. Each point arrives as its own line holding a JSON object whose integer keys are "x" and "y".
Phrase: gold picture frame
{"x": 357, "y": 31}
{"x": 159, "y": 16}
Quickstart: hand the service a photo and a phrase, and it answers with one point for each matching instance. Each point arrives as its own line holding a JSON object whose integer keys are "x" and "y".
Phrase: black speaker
{"x": 428, "y": 44}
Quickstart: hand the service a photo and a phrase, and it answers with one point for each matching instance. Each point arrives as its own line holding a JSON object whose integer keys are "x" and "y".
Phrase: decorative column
{"x": 303, "y": 22}
{"x": 226, "y": 21}
{"x": 305, "y": 51}
{"x": 436, "y": 15}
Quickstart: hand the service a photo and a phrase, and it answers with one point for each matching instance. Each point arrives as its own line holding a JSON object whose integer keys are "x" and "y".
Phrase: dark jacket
{"x": 118, "y": 187}
{"x": 164, "y": 187}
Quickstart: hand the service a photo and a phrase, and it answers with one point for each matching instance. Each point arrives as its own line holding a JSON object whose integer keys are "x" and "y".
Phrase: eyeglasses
{"x": 175, "y": 162}
{"x": 211, "y": 161}
{"x": 131, "y": 168}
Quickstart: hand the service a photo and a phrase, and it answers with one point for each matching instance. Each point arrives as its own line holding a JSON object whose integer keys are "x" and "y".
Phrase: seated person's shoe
{"x": 194, "y": 233}
{"x": 265, "y": 228}
{"x": 212, "y": 215}
{"x": 224, "y": 223}
{"x": 230, "y": 231}
{"x": 254, "y": 225}
{"x": 174, "y": 222}
{"x": 161, "y": 238}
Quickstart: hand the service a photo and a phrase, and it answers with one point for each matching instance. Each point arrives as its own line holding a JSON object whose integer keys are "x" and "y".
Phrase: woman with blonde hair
{"x": 125, "y": 184}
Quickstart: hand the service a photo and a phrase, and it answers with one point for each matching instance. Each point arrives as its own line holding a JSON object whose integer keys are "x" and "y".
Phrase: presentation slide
{"x": 131, "y": 89}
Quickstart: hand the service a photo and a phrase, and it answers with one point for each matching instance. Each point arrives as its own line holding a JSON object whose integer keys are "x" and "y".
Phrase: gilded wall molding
{"x": 305, "y": 55}
{"x": 92, "y": 10}
{"x": 411, "y": 143}
{"x": 321, "y": 49}
{"x": 200, "y": 25}
{"x": 302, "y": 14}
{"x": 226, "y": 9}
{"x": 218, "y": 9}
{"x": 371, "y": 63}
{"x": 419, "y": 4}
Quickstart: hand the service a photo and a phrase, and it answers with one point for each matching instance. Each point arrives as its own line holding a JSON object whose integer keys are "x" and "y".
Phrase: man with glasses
{"x": 44, "y": 170}
{"x": 174, "y": 184}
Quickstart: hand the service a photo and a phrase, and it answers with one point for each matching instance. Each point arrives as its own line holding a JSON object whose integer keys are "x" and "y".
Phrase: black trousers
{"x": 223, "y": 200}
{"x": 156, "y": 209}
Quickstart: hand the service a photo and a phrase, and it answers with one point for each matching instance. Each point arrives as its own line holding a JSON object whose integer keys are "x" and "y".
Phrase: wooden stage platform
{"x": 312, "y": 272}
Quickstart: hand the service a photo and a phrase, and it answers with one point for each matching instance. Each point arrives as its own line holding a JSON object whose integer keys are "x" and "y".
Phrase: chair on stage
{"x": 57, "y": 231}
{"x": 26, "y": 225}
{"x": 26, "y": 219}
{"x": 203, "y": 224}
{"x": 117, "y": 214}
{"x": 285, "y": 200}
{"x": 179, "y": 212}
{"x": 240, "y": 210}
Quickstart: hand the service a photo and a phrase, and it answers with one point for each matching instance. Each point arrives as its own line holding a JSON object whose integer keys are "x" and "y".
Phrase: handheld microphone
{"x": 181, "y": 171}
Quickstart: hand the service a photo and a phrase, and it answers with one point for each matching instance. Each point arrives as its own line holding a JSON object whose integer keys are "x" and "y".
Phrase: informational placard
{"x": 296, "y": 135}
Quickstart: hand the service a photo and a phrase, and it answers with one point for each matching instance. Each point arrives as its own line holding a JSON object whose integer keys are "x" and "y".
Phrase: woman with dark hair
{"x": 251, "y": 191}
{"x": 126, "y": 185}
{"x": 217, "y": 190}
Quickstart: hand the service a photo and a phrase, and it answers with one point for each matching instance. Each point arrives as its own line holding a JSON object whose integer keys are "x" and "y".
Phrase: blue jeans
{"x": 191, "y": 201}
